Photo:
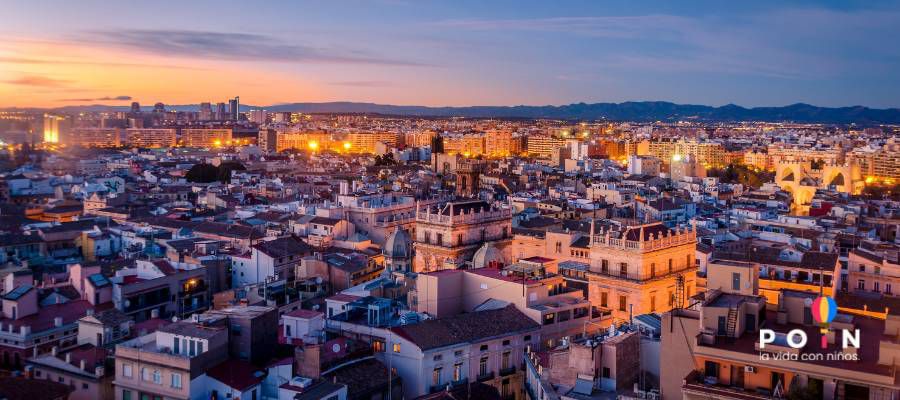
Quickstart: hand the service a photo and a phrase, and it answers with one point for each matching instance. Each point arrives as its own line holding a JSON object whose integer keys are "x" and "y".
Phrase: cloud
{"x": 363, "y": 83}
{"x": 105, "y": 98}
{"x": 231, "y": 46}
{"x": 39, "y": 81}
{"x": 600, "y": 26}
{"x": 41, "y": 61}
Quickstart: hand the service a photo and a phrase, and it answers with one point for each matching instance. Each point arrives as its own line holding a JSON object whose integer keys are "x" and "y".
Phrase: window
{"x": 876, "y": 286}
{"x": 887, "y": 288}
{"x": 145, "y": 374}
{"x": 458, "y": 353}
{"x": 606, "y": 372}
{"x": 37, "y": 373}
{"x": 457, "y": 371}
{"x": 877, "y": 270}
{"x": 604, "y": 266}
{"x": 652, "y": 270}
{"x": 623, "y": 269}
{"x": 735, "y": 281}
{"x": 157, "y": 377}
{"x": 176, "y": 381}
{"x": 604, "y": 297}
{"x": 287, "y": 331}
{"x": 482, "y": 366}
{"x": 861, "y": 284}
{"x": 483, "y": 347}
{"x": 84, "y": 386}
{"x": 862, "y": 268}
{"x": 622, "y": 302}
{"x": 506, "y": 342}
{"x": 126, "y": 395}
{"x": 438, "y": 357}
{"x": 652, "y": 303}
{"x": 687, "y": 261}
{"x": 549, "y": 318}
{"x": 126, "y": 370}
{"x": 670, "y": 266}
{"x": 436, "y": 376}
{"x": 378, "y": 346}
{"x": 504, "y": 360}
{"x": 396, "y": 347}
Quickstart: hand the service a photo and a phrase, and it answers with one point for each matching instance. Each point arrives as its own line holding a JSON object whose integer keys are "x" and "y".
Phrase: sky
{"x": 450, "y": 53}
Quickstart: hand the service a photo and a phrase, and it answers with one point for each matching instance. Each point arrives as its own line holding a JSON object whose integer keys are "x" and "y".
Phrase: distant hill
{"x": 627, "y": 111}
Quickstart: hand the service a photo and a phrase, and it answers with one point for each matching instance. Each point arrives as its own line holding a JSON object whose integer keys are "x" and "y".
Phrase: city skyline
{"x": 58, "y": 54}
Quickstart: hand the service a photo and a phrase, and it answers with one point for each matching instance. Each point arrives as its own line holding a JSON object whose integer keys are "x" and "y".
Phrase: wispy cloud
{"x": 43, "y": 61}
{"x": 105, "y": 98}
{"x": 231, "y": 47}
{"x": 600, "y": 26}
{"x": 363, "y": 83}
{"x": 38, "y": 81}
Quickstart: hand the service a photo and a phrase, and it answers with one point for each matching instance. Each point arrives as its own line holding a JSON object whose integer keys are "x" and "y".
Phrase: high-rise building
{"x": 220, "y": 112}
{"x": 96, "y": 137}
{"x": 234, "y": 107}
{"x": 206, "y": 111}
{"x": 258, "y": 116}
{"x": 52, "y": 128}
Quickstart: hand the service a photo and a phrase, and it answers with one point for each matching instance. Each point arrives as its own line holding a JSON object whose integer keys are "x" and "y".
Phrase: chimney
{"x": 68, "y": 358}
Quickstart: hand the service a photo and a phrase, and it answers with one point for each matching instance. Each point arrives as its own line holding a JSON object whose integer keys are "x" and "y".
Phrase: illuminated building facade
{"x": 96, "y": 137}
{"x": 364, "y": 142}
{"x": 150, "y": 137}
{"x": 449, "y": 235}
{"x": 205, "y": 137}
{"x": 52, "y": 128}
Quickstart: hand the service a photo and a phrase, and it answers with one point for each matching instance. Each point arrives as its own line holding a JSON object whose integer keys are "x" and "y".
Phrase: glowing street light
{"x": 347, "y": 145}
{"x": 313, "y": 145}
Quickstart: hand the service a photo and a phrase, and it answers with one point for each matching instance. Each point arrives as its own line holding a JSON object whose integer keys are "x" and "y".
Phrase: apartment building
{"x": 873, "y": 269}
{"x": 484, "y": 346}
{"x": 151, "y": 137}
{"x": 720, "y": 336}
{"x": 205, "y": 137}
{"x": 171, "y": 362}
{"x": 536, "y": 290}
{"x": 639, "y": 269}
{"x": 160, "y": 288}
{"x": 97, "y": 137}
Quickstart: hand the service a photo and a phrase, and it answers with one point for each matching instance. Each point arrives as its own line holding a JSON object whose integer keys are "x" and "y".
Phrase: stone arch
{"x": 787, "y": 175}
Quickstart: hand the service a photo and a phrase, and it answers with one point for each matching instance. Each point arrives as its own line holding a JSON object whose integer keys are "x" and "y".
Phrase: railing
{"x": 508, "y": 370}
{"x": 485, "y": 377}
{"x": 614, "y": 273}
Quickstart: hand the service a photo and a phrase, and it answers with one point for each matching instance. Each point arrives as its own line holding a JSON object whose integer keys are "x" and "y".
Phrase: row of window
{"x": 154, "y": 376}
{"x": 876, "y": 286}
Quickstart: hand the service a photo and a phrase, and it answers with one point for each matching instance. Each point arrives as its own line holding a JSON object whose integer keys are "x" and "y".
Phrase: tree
{"x": 203, "y": 173}
{"x": 225, "y": 168}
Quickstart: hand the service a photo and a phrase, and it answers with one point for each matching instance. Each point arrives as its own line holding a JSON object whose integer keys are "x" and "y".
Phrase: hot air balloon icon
{"x": 823, "y": 309}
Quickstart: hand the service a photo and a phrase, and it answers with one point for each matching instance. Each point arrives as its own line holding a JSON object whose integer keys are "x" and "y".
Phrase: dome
{"x": 398, "y": 244}
{"x": 487, "y": 255}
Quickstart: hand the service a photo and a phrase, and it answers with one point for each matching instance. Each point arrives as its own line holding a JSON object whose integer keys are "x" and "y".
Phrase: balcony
{"x": 447, "y": 386}
{"x": 639, "y": 278}
{"x": 485, "y": 377}
{"x": 508, "y": 370}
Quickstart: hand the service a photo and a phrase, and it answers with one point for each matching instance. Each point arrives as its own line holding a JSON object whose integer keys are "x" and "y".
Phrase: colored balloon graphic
{"x": 823, "y": 310}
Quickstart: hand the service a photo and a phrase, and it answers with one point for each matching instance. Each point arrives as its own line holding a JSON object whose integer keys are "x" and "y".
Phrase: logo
{"x": 823, "y": 310}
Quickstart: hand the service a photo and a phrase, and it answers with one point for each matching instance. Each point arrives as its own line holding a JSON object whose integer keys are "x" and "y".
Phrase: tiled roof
{"x": 466, "y": 328}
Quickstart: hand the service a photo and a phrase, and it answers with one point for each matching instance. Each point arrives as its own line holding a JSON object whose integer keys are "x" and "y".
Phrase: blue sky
{"x": 451, "y": 53}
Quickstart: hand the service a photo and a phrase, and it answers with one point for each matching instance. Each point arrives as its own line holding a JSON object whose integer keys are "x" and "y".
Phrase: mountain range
{"x": 627, "y": 111}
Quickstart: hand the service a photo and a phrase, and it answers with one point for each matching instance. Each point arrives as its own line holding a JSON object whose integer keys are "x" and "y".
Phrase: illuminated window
{"x": 396, "y": 347}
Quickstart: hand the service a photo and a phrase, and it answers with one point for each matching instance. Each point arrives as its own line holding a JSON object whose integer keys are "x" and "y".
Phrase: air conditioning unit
{"x": 749, "y": 368}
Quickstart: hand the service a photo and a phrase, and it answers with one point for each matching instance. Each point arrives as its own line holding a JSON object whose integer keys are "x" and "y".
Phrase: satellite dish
{"x": 174, "y": 319}
{"x": 807, "y": 302}
{"x": 318, "y": 280}
{"x": 336, "y": 348}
